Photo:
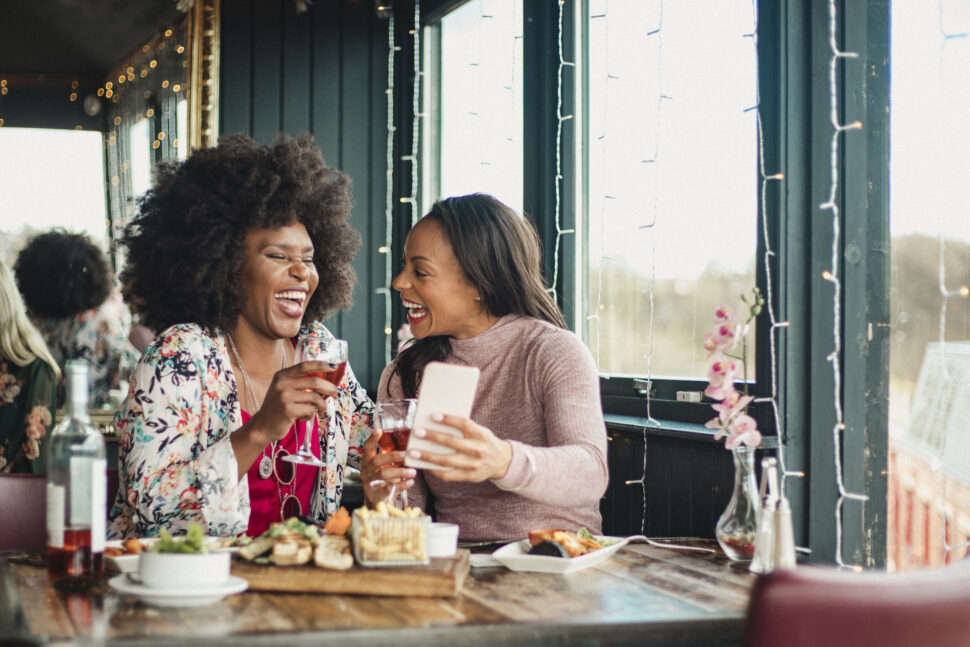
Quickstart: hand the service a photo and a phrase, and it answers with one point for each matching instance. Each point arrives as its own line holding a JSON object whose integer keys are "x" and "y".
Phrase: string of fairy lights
{"x": 947, "y": 37}
{"x": 417, "y": 114}
{"x": 833, "y": 275}
{"x": 775, "y": 327}
{"x": 385, "y": 249}
{"x": 560, "y": 120}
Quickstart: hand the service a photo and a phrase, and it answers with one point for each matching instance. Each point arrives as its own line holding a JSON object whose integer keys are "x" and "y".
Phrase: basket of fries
{"x": 388, "y": 536}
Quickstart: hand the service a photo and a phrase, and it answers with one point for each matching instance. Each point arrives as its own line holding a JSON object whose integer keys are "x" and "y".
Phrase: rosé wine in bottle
{"x": 76, "y": 491}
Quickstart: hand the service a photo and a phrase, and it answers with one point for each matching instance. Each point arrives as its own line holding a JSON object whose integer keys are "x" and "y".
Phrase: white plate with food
{"x": 127, "y": 560}
{"x": 516, "y": 557}
{"x": 189, "y": 596}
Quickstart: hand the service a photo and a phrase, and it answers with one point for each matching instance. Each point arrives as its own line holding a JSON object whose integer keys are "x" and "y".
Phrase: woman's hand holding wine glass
{"x": 329, "y": 361}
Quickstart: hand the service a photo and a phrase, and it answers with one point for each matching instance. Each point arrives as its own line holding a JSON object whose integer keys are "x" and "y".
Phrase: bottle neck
{"x": 76, "y": 405}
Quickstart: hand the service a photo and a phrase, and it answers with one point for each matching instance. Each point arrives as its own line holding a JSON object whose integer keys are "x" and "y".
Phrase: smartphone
{"x": 445, "y": 388}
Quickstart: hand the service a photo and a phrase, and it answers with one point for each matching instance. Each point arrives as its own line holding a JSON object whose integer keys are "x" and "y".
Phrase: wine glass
{"x": 334, "y": 352}
{"x": 395, "y": 419}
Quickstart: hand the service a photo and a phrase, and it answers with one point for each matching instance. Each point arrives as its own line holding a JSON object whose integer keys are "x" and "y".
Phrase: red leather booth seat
{"x": 823, "y": 607}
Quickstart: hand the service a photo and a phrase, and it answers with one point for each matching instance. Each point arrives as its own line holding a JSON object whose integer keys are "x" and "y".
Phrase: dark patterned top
{"x": 27, "y": 409}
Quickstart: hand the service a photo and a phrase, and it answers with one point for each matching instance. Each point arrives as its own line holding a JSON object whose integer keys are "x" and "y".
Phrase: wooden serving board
{"x": 443, "y": 577}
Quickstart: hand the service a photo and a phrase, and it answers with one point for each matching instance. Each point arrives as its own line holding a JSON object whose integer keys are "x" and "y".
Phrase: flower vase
{"x": 738, "y": 526}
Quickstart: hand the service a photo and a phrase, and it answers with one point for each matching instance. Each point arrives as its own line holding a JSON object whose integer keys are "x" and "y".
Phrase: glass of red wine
{"x": 395, "y": 418}
{"x": 333, "y": 352}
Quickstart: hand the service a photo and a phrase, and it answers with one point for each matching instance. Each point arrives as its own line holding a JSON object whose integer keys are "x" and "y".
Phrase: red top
{"x": 265, "y": 499}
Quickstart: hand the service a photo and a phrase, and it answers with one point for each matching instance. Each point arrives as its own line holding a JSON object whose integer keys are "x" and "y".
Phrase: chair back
{"x": 823, "y": 607}
{"x": 23, "y": 512}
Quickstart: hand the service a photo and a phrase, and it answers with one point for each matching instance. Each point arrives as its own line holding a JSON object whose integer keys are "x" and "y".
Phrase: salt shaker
{"x": 764, "y": 549}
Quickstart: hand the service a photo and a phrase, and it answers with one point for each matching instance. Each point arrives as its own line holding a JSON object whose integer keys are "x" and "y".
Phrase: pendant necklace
{"x": 265, "y": 462}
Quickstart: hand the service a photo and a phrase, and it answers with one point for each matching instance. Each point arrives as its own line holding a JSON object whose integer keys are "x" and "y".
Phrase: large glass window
{"x": 50, "y": 178}
{"x": 929, "y": 420}
{"x": 473, "y": 59}
{"x": 670, "y": 187}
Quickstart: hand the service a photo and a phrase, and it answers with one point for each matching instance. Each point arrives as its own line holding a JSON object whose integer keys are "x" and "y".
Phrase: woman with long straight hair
{"x": 28, "y": 380}
{"x": 533, "y": 452}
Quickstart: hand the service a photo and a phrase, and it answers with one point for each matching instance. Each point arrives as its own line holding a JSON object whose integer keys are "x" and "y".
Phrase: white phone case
{"x": 445, "y": 388}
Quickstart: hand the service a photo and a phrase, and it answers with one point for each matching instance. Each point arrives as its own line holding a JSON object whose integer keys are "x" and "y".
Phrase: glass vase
{"x": 738, "y": 526}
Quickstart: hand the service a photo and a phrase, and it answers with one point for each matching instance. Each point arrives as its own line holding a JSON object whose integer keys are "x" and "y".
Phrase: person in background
{"x": 66, "y": 282}
{"x": 28, "y": 379}
{"x": 533, "y": 453}
{"x": 237, "y": 254}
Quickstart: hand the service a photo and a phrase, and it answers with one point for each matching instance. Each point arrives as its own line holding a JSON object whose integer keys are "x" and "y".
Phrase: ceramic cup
{"x": 442, "y": 540}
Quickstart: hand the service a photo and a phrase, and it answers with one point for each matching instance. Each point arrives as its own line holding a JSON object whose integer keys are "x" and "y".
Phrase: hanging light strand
{"x": 604, "y": 258}
{"x": 387, "y": 247}
{"x": 418, "y": 115}
{"x": 832, "y": 275}
{"x": 560, "y": 118}
{"x": 776, "y": 327}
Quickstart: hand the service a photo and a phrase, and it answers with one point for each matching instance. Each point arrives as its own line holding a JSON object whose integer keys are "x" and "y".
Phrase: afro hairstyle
{"x": 186, "y": 248}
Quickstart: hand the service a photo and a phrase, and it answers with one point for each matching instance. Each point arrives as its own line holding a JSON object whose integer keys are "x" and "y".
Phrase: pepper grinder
{"x": 764, "y": 548}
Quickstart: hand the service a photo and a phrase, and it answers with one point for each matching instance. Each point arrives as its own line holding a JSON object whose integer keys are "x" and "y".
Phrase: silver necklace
{"x": 265, "y": 462}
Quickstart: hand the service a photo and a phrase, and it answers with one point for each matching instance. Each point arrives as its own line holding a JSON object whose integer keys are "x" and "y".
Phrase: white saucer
{"x": 180, "y": 597}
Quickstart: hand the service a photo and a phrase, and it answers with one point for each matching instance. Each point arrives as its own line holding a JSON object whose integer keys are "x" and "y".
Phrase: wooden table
{"x": 642, "y": 596}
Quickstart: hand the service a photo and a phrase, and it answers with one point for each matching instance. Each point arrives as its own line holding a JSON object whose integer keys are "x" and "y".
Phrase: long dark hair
{"x": 500, "y": 255}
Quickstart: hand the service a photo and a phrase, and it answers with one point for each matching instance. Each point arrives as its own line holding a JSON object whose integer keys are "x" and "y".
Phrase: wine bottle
{"x": 76, "y": 491}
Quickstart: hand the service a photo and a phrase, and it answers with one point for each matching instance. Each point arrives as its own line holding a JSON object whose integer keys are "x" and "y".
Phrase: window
{"x": 50, "y": 178}
{"x": 670, "y": 190}
{"x": 929, "y": 382}
{"x": 474, "y": 142}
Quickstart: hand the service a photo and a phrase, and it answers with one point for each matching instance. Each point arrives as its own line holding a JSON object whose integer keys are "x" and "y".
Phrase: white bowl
{"x": 442, "y": 539}
{"x": 182, "y": 570}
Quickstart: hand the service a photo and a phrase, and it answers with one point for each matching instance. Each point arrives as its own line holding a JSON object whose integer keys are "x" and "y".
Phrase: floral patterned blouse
{"x": 176, "y": 462}
{"x": 100, "y": 336}
{"x": 27, "y": 408}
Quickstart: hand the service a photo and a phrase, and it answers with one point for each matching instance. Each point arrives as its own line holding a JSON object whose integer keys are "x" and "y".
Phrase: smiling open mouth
{"x": 291, "y": 301}
{"x": 416, "y": 311}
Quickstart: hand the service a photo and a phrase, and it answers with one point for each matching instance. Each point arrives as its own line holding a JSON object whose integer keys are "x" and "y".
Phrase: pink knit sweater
{"x": 538, "y": 389}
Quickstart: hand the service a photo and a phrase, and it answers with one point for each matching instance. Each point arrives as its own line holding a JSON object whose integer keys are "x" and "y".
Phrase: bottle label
{"x": 55, "y": 515}
{"x": 99, "y": 495}
{"x": 87, "y": 498}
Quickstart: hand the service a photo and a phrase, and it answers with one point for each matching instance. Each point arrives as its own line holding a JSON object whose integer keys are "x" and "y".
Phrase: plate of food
{"x": 558, "y": 551}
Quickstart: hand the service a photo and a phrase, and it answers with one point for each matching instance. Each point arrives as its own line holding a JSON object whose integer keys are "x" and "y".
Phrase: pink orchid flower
{"x": 721, "y": 374}
{"x": 743, "y": 429}
{"x": 724, "y": 314}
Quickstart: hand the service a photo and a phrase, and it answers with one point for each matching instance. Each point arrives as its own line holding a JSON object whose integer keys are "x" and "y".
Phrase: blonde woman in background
{"x": 28, "y": 381}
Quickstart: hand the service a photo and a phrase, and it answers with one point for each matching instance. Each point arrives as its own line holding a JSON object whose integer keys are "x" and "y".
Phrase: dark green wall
{"x": 323, "y": 71}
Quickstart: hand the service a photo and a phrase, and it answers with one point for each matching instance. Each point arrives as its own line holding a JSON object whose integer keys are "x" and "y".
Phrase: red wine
{"x": 75, "y": 565}
{"x": 334, "y": 375}
{"x": 394, "y": 440}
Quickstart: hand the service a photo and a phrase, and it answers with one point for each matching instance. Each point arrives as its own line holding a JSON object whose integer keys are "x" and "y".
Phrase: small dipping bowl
{"x": 442, "y": 539}
{"x": 183, "y": 570}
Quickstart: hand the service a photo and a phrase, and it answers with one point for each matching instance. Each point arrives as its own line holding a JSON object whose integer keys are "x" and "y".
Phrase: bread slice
{"x": 333, "y": 551}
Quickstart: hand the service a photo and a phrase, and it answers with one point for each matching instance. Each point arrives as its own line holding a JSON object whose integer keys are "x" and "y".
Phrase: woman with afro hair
{"x": 69, "y": 289}
{"x": 237, "y": 253}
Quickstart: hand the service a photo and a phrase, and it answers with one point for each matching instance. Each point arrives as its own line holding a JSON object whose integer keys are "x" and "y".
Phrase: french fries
{"x": 388, "y": 535}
